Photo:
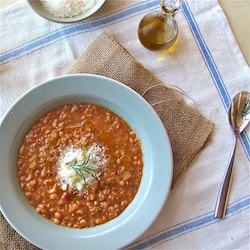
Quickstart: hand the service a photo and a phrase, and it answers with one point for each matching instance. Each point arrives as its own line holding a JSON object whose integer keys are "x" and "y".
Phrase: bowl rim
{"x": 65, "y": 20}
{"x": 154, "y": 179}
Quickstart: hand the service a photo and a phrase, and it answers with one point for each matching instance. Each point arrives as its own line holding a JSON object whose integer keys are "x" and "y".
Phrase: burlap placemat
{"x": 107, "y": 57}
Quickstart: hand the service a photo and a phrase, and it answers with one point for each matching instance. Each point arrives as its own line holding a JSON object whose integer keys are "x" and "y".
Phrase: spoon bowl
{"x": 239, "y": 112}
{"x": 239, "y": 117}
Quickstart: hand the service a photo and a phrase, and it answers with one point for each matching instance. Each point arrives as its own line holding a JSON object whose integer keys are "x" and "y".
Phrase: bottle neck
{"x": 170, "y": 7}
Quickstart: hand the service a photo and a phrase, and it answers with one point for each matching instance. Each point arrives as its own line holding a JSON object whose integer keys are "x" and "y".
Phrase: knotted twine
{"x": 186, "y": 127}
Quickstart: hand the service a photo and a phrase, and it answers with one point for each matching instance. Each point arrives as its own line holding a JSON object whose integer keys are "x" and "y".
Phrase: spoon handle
{"x": 221, "y": 203}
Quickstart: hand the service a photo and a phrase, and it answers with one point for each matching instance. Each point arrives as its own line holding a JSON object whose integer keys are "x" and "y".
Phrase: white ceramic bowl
{"x": 157, "y": 171}
{"x": 37, "y": 6}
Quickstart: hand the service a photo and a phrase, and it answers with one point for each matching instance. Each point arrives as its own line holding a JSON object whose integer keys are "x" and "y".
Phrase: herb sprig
{"x": 85, "y": 166}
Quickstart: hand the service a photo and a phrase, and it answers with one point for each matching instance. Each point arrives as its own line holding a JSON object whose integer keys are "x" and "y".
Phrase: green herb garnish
{"x": 85, "y": 166}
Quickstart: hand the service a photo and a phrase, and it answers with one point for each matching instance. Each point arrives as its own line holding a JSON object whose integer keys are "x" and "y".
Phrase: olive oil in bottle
{"x": 159, "y": 30}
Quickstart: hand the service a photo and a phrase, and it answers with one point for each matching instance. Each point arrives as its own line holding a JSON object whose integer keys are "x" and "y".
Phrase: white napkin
{"x": 206, "y": 63}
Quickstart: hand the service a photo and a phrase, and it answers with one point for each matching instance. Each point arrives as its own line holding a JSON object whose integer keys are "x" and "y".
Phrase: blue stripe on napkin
{"x": 189, "y": 226}
{"x": 212, "y": 68}
{"x": 73, "y": 29}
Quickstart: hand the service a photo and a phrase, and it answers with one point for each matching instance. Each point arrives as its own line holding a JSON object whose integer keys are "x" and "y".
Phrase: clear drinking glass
{"x": 158, "y": 30}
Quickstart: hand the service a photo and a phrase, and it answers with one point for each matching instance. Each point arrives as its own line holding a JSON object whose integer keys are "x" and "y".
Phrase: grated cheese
{"x": 67, "y": 8}
{"x": 67, "y": 174}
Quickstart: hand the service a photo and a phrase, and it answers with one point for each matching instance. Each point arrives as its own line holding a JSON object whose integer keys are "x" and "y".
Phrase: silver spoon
{"x": 239, "y": 117}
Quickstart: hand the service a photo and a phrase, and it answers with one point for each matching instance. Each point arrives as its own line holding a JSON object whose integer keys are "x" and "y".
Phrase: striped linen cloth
{"x": 206, "y": 63}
